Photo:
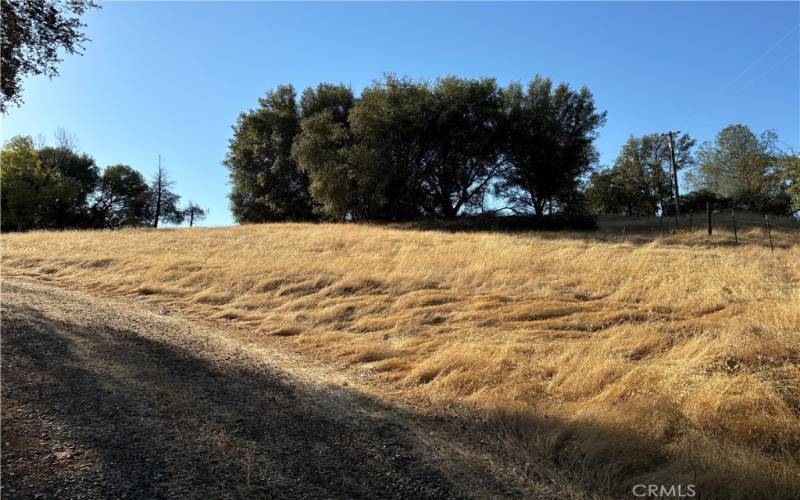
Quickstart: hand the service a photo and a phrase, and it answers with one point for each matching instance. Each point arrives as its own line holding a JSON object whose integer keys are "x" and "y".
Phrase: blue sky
{"x": 171, "y": 78}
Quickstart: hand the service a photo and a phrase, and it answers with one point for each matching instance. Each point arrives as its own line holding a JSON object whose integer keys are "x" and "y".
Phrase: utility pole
{"x": 674, "y": 174}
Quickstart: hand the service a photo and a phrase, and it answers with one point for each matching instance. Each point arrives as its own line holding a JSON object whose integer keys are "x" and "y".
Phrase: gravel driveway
{"x": 100, "y": 401}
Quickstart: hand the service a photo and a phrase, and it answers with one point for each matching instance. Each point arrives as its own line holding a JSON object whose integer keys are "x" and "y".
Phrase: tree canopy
{"x": 743, "y": 167}
{"x": 122, "y": 198}
{"x": 267, "y": 185}
{"x": 412, "y": 148}
{"x": 25, "y": 187}
{"x": 639, "y": 182}
{"x": 407, "y": 149}
{"x": 33, "y": 33}
{"x": 550, "y": 143}
{"x": 789, "y": 165}
{"x": 738, "y": 170}
{"x": 78, "y": 176}
{"x": 58, "y": 188}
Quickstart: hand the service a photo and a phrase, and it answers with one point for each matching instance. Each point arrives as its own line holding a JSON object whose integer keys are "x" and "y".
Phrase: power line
{"x": 747, "y": 68}
{"x": 762, "y": 75}
{"x": 759, "y": 58}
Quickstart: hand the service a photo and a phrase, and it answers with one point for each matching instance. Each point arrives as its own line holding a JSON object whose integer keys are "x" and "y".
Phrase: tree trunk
{"x": 448, "y": 211}
{"x": 158, "y": 194}
{"x": 447, "y": 207}
{"x": 538, "y": 206}
{"x": 158, "y": 206}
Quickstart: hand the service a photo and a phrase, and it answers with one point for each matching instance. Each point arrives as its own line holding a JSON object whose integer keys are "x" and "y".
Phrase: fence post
{"x": 769, "y": 233}
{"x": 708, "y": 217}
{"x": 735, "y": 234}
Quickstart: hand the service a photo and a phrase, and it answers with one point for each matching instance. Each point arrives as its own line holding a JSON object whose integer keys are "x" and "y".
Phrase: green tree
{"x": 122, "y": 199}
{"x": 267, "y": 185}
{"x": 77, "y": 175}
{"x": 337, "y": 99}
{"x": 50, "y": 192}
{"x": 34, "y": 32}
{"x": 789, "y": 165}
{"x": 639, "y": 182}
{"x": 26, "y": 187}
{"x": 323, "y": 150}
{"x": 701, "y": 200}
{"x": 354, "y": 171}
{"x": 550, "y": 144}
{"x": 611, "y": 192}
{"x": 391, "y": 127}
{"x": 742, "y": 166}
{"x": 408, "y": 148}
{"x": 466, "y": 148}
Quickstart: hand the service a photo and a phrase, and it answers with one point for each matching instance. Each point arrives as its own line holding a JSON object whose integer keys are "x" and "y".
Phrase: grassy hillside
{"x": 624, "y": 360}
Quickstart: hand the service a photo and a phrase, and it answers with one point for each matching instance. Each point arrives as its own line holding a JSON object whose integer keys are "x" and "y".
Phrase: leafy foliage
{"x": 26, "y": 187}
{"x": 58, "y": 188}
{"x": 408, "y": 149}
{"x": 267, "y": 185}
{"x": 790, "y": 167}
{"x": 336, "y": 99}
{"x": 33, "y": 33}
{"x": 47, "y": 188}
{"x": 700, "y": 200}
{"x": 639, "y": 183}
{"x": 354, "y": 165}
{"x": 743, "y": 167}
{"x": 78, "y": 176}
{"x": 122, "y": 198}
{"x": 550, "y": 134}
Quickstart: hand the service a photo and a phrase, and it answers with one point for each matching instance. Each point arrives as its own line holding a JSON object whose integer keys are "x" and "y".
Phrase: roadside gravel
{"x": 105, "y": 402}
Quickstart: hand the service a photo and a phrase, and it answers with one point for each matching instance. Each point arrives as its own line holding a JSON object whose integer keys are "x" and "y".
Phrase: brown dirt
{"x": 104, "y": 398}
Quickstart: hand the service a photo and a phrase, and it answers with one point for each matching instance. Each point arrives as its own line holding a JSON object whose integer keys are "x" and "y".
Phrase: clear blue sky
{"x": 171, "y": 78}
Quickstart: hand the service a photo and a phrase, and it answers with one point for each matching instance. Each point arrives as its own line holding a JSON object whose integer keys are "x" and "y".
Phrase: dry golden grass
{"x": 625, "y": 360}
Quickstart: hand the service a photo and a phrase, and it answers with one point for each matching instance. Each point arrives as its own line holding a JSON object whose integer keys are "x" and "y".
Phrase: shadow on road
{"x": 96, "y": 411}
{"x": 143, "y": 419}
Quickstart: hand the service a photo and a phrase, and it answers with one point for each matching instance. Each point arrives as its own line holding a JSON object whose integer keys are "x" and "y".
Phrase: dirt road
{"x": 102, "y": 399}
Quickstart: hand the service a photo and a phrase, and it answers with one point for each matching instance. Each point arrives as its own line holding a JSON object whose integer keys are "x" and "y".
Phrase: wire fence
{"x": 719, "y": 226}
{"x": 754, "y": 223}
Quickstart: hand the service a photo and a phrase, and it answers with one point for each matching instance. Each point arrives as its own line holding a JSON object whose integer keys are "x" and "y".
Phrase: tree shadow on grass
{"x": 140, "y": 417}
